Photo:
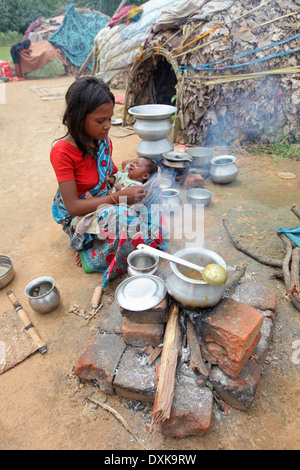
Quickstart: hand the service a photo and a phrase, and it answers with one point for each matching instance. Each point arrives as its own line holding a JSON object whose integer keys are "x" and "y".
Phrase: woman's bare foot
{"x": 78, "y": 259}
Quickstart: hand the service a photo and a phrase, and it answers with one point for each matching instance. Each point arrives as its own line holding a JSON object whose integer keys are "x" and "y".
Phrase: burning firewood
{"x": 196, "y": 361}
{"x": 166, "y": 368}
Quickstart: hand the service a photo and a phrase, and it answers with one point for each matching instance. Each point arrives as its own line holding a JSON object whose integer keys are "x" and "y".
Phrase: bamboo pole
{"x": 42, "y": 348}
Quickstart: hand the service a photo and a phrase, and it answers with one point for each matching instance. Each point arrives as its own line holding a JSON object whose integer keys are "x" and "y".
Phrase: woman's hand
{"x": 134, "y": 194}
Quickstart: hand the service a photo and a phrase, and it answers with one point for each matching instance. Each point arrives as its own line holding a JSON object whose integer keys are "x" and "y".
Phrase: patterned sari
{"x": 105, "y": 237}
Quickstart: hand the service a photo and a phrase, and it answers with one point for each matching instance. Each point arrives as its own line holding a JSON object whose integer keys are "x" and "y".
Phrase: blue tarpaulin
{"x": 75, "y": 36}
{"x": 292, "y": 233}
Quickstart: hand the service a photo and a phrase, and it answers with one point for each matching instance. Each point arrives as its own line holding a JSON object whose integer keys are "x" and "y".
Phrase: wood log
{"x": 294, "y": 284}
{"x": 286, "y": 269}
{"x": 239, "y": 246}
{"x": 96, "y": 297}
{"x": 234, "y": 279}
{"x": 166, "y": 368}
{"x": 196, "y": 360}
{"x": 296, "y": 211}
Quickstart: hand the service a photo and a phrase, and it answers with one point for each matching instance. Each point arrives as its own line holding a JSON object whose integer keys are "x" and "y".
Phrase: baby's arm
{"x": 110, "y": 179}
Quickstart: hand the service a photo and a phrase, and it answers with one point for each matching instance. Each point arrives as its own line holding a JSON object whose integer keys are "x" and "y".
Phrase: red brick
{"x": 240, "y": 392}
{"x": 216, "y": 354}
{"x": 135, "y": 379}
{"x": 100, "y": 360}
{"x": 233, "y": 325}
{"x": 255, "y": 294}
{"x": 142, "y": 335}
{"x": 157, "y": 314}
{"x": 191, "y": 411}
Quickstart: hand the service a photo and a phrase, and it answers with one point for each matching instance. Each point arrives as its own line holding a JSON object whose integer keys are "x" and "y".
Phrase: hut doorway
{"x": 152, "y": 80}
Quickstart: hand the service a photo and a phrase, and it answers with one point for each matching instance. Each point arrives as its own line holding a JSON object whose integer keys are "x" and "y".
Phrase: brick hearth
{"x": 234, "y": 338}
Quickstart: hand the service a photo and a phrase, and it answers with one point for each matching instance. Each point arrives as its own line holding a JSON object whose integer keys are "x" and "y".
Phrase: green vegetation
{"x": 17, "y": 15}
{"x": 5, "y": 53}
{"x": 281, "y": 150}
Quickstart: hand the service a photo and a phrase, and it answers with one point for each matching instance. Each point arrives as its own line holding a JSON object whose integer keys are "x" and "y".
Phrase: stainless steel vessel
{"x": 152, "y": 125}
{"x": 223, "y": 169}
{"x": 7, "y": 271}
{"x": 194, "y": 293}
{"x": 42, "y": 294}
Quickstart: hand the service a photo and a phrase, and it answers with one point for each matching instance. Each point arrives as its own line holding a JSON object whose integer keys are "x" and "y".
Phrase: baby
{"x": 135, "y": 173}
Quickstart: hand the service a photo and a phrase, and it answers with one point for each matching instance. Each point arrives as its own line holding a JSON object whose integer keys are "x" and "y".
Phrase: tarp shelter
{"x": 232, "y": 68}
{"x": 75, "y": 37}
{"x": 36, "y": 57}
{"x": 116, "y": 47}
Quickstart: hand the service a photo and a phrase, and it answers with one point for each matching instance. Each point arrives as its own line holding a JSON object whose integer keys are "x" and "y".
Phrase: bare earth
{"x": 42, "y": 405}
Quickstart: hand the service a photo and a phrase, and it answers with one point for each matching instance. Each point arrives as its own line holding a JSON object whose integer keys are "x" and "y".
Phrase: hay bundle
{"x": 234, "y": 74}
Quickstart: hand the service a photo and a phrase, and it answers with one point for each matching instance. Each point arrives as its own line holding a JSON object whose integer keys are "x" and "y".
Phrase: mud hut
{"x": 232, "y": 68}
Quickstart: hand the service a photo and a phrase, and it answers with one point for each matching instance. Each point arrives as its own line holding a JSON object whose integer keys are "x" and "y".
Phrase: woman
{"x": 82, "y": 161}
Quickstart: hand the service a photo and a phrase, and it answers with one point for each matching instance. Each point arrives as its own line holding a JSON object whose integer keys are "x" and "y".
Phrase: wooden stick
{"x": 239, "y": 246}
{"x": 296, "y": 211}
{"x": 294, "y": 285}
{"x": 118, "y": 416}
{"x": 96, "y": 296}
{"x": 286, "y": 269}
{"x": 167, "y": 368}
{"x": 196, "y": 361}
{"x": 233, "y": 280}
{"x": 42, "y": 348}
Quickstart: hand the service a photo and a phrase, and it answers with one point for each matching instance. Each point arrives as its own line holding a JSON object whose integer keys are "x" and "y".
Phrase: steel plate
{"x": 141, "y": 292}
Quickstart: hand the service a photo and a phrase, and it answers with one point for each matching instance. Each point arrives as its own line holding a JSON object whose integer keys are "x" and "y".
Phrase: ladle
{"x": 213, "y": 274}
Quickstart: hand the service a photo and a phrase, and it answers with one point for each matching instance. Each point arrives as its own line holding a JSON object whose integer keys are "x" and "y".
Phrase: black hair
{"x": 151, "y": 165}
{"x": 82, "y": 98}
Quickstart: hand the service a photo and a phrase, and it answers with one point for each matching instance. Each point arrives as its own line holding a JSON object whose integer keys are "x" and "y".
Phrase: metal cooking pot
{"x": 194, "y": 293}
{"x": 223, "y": 169}
{"x": 43, "y": 295}
{"x": 201, "y": 156}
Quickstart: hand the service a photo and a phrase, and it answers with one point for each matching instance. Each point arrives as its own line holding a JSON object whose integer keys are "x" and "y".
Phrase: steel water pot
{"x": 223, "y": 169}
{"x": 193, "y": 293}
{"x": 42, "y": 294}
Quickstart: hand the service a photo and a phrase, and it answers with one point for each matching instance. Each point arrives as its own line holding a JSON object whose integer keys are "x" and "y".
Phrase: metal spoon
{"x": 213, "y": 274}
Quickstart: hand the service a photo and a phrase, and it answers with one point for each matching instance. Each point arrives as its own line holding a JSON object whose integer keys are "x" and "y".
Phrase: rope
{"x": 214, "y": 29}
{"x": 263, "y": 59}
{"x": 244, "y": 54}
{"x": 236, "y": 78}
{"x": 224, "y": 38}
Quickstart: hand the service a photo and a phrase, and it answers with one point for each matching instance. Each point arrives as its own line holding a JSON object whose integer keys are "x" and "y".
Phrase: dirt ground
{"x": 42, "y": 405}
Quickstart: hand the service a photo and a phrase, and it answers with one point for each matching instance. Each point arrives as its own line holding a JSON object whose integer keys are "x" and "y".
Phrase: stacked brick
{"x": 234, "y": 339}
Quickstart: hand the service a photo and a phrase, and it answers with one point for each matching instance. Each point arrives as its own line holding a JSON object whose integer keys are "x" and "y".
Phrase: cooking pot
{"x": 42, "y": 294}
{"x": 223, "y": 169}
{"x": 192, "y": 293}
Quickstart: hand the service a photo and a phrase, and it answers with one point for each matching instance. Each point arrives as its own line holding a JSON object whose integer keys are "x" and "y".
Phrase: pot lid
{"x": 177, "y": 156}
{"x": 139, "y": 293}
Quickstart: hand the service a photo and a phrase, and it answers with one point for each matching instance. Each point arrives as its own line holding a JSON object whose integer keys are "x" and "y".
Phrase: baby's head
{"x": 141, "y": 169}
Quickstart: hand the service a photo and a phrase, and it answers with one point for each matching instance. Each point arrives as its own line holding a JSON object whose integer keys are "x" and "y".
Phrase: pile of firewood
{"x": 287, "y": 269}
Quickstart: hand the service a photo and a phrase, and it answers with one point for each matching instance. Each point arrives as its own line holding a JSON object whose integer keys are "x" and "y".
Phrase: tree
{"x": 16, "y": 15}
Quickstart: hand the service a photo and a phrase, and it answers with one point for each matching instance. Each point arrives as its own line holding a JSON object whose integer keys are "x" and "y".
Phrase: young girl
{"x": 82, "y": 161}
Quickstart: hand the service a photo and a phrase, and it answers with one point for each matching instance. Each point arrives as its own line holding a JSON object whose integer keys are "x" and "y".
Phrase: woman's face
{"x": 97, "y": 123}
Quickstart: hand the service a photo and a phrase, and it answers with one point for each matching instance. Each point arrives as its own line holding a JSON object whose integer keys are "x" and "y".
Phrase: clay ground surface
{"x": 42, "y": 405}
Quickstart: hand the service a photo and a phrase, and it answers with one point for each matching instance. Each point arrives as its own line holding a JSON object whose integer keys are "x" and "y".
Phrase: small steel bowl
{"x": 43, "y": 295}
{"x": 140, "y": 263}
{"x": 165, "y": 183}
{"x": 7, "y": 271}
{"x": 198, "y": 196}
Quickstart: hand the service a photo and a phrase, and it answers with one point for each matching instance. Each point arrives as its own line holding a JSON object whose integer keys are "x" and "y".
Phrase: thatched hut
{"x": 233, "y": 74}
